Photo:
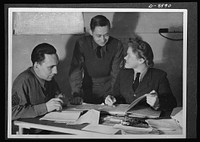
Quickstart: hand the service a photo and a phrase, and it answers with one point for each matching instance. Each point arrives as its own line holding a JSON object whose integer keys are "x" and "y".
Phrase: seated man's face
{"x": 100, "y": 35}
{"x": 48, "y": 68}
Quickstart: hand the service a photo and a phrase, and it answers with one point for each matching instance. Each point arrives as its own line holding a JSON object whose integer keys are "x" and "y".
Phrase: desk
{"x": 76, "y": 130}
{"x": 51, "y": 126}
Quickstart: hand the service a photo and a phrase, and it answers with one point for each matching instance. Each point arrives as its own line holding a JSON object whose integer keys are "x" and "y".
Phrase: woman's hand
{"x": 110, "y": 100}
{"x": 152, "y": 99}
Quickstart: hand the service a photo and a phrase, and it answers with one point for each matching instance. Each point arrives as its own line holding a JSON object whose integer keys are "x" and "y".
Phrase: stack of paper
{"x": 91, "y": 117}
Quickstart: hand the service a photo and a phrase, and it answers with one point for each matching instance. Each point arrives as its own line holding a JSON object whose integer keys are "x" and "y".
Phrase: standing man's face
{"x": 47, "y": 69}
{"x": 100, "y": 35}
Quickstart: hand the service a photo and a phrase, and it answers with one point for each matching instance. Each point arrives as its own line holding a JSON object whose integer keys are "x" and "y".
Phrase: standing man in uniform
{"x": 95, "y": 63}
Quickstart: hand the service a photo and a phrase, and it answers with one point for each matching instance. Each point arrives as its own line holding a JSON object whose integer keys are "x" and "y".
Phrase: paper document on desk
{"x": 133, "y": 130}
{"x": 87, "y": 106}
{"x": 119, "y": 109}
{"x": 163, "y": 124}
{"x": 177, "y": 115}
{"x": 101, "y": 129}
{"x": 92, "y": 117}
{"x": 63, "y": 116}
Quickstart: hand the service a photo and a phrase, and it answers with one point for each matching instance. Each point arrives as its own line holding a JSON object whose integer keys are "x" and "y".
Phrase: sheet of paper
{"x": 133, "y": 130}
{"x": 143, "y": 112}
{"x": 86, "y": 106}
{"x": 177, "y": 114}
{"x": 163, "y": 124}
{"x": 120, "y": 109}
{"x": 91, "y": 116}
{"x": 101, "y": 129}
{"x": 63, "y": 116}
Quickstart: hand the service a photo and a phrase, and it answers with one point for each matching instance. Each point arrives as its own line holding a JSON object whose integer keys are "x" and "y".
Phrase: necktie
{"x": 136, "y": 82}
{"x": 98, "y": 51}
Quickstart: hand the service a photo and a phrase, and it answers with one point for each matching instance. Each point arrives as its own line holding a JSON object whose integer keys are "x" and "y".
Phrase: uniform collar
{"x": 142, "y": 73}
{"x": 94, "y": 45}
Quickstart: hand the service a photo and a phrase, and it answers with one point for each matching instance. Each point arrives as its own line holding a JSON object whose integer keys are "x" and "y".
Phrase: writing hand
{"x": 110, "y": 100}
{"x": 54, "y": 104}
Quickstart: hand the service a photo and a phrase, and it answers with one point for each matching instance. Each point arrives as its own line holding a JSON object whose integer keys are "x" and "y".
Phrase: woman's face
{"x": 132, "y": 61}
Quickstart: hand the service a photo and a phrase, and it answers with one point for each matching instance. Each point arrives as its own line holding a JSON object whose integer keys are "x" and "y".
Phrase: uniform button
{"x": 134, "y": 95}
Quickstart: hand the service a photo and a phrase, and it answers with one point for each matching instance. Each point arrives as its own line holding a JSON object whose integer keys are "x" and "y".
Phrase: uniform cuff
{"x": 40, "y": 109}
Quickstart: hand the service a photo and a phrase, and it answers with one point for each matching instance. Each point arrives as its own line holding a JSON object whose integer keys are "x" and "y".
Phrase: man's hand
{"x": 110, "y": 100}
{"x": 63, "y": 98}
{"x": 60, "y": 96}
{"x": 152, "y": 99}
{"x": 76, "y": 101}
{"x": 54, "y": 104}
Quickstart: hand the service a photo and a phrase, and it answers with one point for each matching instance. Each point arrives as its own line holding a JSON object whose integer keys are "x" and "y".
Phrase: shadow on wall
{"x": 124, "y": 25}
{"x": 63, "y": 68}
{"x": 173, "y": 64}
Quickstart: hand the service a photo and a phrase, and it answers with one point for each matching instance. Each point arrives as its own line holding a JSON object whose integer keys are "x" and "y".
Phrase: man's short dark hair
{"x": 39, "y": 51}
{"x": 99, "y": 20}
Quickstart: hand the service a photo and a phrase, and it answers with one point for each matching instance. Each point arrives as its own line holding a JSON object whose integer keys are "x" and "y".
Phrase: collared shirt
{"x": 142, "y": 74}
{"x": 29, "y": 95}
{"x": 103, "y": 48}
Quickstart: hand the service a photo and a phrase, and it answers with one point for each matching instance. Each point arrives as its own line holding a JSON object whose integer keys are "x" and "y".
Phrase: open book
{"x": 123, "y": 109}
{"x": 134, "y": 110}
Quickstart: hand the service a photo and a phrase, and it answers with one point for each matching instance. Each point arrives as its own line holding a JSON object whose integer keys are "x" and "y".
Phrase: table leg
{"x": 20, "y": 132}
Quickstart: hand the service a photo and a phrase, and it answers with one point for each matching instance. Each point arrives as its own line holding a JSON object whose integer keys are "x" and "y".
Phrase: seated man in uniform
{"x": 35, "y": 91}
